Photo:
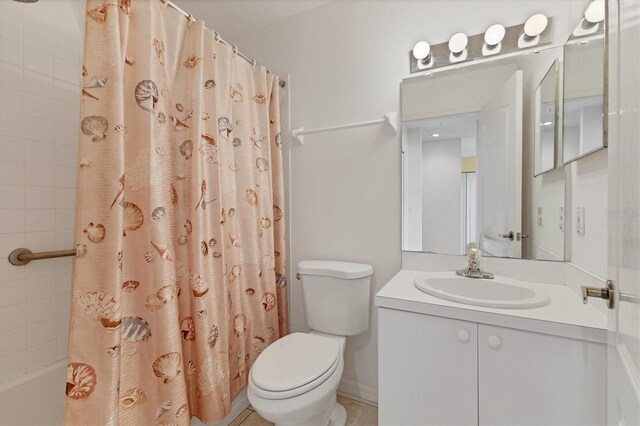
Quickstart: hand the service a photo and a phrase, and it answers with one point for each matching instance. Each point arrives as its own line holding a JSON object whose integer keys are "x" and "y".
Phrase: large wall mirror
{"x": 465, "y": 134}
{"x": 482, "y": 150}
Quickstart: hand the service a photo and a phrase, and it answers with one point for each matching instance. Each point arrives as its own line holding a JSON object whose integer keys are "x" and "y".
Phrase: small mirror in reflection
{"x": 546, "y": 117}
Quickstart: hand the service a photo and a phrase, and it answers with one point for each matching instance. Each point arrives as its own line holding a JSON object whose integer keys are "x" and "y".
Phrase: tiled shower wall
{"x": 40, "y": 56}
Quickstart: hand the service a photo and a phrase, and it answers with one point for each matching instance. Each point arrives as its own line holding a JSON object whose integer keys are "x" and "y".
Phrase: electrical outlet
{"x": 539, "y": 216}
{"x": 561, "y": 221}
{"x": 580, "y": 220}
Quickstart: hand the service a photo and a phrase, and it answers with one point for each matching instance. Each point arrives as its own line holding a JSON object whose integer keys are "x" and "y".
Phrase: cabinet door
{"x": 535, "y": 379}
{"x": 428, "y": 372}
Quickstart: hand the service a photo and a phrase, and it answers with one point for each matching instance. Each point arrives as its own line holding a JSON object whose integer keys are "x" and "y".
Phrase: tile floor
{"x": 358, "y": 414}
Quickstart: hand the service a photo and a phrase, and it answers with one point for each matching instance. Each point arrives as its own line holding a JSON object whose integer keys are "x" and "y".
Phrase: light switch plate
{"x": 561, "y": 219}
{"x": 580, "y": 220}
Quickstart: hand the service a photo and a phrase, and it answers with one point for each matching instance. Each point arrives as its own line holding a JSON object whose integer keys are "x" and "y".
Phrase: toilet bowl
{"x": 294, "y": 381}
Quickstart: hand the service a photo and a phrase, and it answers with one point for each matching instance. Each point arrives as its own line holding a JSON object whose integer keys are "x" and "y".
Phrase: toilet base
{"x": 316, "y": 407}
{"x": 338, "y": 416}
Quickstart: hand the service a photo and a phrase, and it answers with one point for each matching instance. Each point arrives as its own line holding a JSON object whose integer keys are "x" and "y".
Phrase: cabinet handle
{"x": 463, "y": 336}
{"x": 494, "y": 341}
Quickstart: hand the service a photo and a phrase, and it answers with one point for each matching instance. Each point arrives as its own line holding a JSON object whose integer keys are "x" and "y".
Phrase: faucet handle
{"x": 473, "y": 252}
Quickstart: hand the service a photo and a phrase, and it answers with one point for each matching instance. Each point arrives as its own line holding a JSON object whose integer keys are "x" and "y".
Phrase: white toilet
{"x": 294, "y": 381}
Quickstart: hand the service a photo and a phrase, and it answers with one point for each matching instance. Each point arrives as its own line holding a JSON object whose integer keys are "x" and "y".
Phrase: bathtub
{"x": 36, "y": 398}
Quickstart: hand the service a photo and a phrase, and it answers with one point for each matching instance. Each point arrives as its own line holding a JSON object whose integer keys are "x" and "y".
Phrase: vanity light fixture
{"x": 496, "y": 40}
{"x": 422, "y": 52}
{"x": 534, "y": 26}
{"x": 458, "y": 48}
{"x": 458, "y": 43}
{"x": 494, "y": 35}
{"x": 595, "y": 12}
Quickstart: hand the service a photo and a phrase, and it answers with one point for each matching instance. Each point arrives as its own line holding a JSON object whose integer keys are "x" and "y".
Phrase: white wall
{"x": 40, "y": 56}
{"x": 468, "y": 146}
{"x": 547, "y": 238}
{"x": 589, "y": 188}
{"x": 441, "y": 196}
{"x": 346, "y": 60}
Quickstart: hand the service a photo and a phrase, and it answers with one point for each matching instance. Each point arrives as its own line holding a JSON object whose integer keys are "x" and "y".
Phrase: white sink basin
{"x": 495, "y": 293}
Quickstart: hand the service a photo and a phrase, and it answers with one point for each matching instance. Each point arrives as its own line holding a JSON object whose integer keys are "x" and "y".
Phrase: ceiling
{"x": 451, "y": 127}
{"x": 233, "y": 18}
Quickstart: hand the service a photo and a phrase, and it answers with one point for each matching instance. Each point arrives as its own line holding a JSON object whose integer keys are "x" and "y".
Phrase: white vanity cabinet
{"x": 527, "y": 378}
{"x": 427, "y": 370}
{"x": 435, "y": 370}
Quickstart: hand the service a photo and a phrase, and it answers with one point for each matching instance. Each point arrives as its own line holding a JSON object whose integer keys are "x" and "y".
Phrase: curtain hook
{"x": 254, "y": 63}
{"x": 216, "y": 36}
{"x": 191, "y": 19}
{"x": 234, "y": 48}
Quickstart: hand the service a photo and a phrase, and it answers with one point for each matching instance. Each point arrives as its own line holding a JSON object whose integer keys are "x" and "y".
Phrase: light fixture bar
{"x": 514, "y": 39}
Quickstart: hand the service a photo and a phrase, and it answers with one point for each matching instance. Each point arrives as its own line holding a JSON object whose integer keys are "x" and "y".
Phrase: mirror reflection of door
{"x": 499, "y": 173}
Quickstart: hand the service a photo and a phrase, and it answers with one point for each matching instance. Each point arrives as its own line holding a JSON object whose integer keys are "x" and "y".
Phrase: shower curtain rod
{"x": 190, "y": 17}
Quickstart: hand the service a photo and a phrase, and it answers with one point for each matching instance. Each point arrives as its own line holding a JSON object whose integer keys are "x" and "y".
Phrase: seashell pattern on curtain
{"x": 180, "y": 276}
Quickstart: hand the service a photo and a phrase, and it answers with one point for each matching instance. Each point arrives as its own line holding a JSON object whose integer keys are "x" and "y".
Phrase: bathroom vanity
{"x": 444, "y": 362}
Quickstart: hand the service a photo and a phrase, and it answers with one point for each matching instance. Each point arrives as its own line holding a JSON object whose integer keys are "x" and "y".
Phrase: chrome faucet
{"x": 473, "y": 264}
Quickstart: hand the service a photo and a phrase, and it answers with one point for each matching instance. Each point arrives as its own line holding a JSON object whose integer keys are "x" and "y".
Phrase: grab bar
{"x": 22, "y": 256}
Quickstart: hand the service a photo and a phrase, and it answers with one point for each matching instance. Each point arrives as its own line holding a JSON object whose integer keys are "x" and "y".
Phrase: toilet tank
{"x": 336, "y": 296}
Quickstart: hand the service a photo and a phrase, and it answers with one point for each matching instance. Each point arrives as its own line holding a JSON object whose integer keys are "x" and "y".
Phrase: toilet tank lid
{"x": 332, "y": 268}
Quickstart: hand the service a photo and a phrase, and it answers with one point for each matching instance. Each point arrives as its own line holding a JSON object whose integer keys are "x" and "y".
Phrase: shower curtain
{"x": 179, "y": 280}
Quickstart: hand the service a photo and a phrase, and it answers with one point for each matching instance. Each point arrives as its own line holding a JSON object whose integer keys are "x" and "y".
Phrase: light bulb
{"x": 421, "y": 51}
{"x": 595, "y": 12}
{"x": 458, "y": 43}
{"x": 435, "y": 135}
{"x": 494, "y": 35}
{"x": 535, "y": 25}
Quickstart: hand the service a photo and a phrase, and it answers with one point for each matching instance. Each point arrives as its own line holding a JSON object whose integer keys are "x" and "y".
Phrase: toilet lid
{"x": 294, "y": 361}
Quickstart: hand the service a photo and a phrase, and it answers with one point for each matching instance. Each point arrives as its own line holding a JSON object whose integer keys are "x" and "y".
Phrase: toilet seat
{"x": 294, "y": 365}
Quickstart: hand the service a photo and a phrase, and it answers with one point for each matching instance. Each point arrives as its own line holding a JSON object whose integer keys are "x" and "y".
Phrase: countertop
{"x": 564, "y": 316}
